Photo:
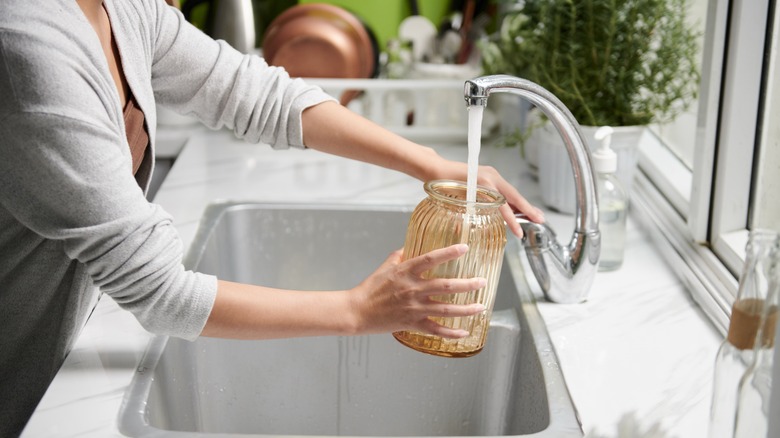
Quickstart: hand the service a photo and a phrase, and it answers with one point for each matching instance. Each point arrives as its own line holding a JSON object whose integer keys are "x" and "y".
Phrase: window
{"x": 680, "y": 135}
{"x": 765, "y": 209}
{"x": 711, "y": 176}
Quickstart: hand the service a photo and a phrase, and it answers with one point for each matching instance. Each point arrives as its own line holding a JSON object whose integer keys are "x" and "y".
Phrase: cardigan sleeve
{"x": 192, "y": 73}
{"x": 64, "y": 166}
{"x": 65, "y": 180}
{"x": 65, "y": 175}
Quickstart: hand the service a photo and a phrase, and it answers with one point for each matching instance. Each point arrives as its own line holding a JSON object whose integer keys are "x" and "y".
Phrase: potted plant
{"x": 622, "y": 63}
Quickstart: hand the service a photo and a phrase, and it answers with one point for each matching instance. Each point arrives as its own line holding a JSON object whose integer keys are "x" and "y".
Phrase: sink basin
{"x": 342, "y": 386}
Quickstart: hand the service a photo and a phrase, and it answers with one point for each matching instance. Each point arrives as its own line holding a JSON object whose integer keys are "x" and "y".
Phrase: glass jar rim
{"x": 433, "y": 189}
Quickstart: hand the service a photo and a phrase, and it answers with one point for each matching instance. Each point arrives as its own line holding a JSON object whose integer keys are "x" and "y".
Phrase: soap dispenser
{"x": 613, "y": 202}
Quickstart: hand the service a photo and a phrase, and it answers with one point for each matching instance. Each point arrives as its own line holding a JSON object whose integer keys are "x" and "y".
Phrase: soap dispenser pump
{"x": 613, "y": 202}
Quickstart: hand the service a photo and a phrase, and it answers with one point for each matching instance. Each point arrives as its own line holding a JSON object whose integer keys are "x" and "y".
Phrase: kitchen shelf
{"x": 422, "y": 110}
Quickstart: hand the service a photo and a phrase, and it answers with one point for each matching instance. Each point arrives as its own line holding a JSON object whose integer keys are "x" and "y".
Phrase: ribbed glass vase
{"x": 442, "y": 219}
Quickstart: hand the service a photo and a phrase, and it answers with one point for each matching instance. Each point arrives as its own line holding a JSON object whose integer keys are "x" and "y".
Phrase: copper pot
{"x": 321, "y": 41}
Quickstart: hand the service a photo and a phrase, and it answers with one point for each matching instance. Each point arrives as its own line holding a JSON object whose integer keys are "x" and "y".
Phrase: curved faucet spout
{"x": 565, "y": 273}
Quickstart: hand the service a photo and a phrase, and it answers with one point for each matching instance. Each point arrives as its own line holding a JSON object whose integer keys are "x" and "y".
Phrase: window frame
{"x": 741, "y": 103}
{"x": 704, "y": 212}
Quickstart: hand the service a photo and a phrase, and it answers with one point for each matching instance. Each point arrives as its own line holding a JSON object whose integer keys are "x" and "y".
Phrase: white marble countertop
{"x": 639, "y": 349}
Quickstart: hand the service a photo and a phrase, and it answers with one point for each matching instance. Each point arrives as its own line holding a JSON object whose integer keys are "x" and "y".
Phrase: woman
{"x": 79, "y": 80}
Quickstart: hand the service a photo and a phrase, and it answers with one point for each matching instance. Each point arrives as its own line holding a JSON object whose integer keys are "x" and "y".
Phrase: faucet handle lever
{"x": 538, "y": 236}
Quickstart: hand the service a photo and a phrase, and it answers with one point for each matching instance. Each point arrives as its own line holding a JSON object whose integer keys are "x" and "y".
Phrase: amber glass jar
{"x": 443, "y": 219}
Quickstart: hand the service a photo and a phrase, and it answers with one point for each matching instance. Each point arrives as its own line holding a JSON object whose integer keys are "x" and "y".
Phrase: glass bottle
{"x": 755, "y": 387}
{"x": 736, "y": 352}
{"x": 613, "y": 203}
{"x": 442, "y": 219}
{"x": 774, "y": 402}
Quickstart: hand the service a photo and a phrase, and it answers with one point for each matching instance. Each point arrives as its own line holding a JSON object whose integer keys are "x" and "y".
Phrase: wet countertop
{"x": 639, "y": 352}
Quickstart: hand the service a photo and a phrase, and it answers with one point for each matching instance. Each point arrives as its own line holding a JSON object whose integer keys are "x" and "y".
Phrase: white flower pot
{"x": 556, "y": 178}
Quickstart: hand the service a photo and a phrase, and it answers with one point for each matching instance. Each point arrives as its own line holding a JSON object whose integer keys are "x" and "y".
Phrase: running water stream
{"x": 474, "y": 143}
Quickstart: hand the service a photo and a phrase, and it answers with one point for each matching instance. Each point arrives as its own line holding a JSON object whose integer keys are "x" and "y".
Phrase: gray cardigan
{"x": 73, "y": 220}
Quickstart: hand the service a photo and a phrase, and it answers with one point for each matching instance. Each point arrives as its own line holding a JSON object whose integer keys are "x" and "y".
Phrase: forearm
{"x": 394, "y": 297}
{"x": 332, "y": 128}
{"x": 244, "y": 311}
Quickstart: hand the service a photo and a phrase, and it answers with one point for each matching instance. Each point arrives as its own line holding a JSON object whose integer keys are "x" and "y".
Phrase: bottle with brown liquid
{"x": 755, "y": 387}
{"x": 445, "y": 218}
{"x": 736, "y": 353}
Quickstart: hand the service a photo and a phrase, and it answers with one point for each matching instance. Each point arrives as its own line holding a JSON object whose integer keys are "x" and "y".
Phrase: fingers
{"x": 429, "y": 260}
{"x": 511, "y": 222}
{"x": 431, "y": 327}
{"x": 517, "y": 201}
{"x": 446, "y": 310}
{"x": 522, "y": 205}
{"x": 489, "y": 177}
{"x": 514, "y": 202}
{"x": 427, "y": 288}
{"x": 444, "y": 286}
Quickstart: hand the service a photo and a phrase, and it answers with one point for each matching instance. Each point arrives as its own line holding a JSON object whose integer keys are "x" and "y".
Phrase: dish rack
{"x": 421, "y": 110}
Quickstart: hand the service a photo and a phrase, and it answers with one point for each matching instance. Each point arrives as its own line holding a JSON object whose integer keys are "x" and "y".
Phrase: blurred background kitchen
{"x": 702, "y": 163}
{"x": 356, "y": 41}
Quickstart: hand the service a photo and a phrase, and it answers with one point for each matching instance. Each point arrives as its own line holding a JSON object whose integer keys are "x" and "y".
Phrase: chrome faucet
{"x": 565, "y": 273}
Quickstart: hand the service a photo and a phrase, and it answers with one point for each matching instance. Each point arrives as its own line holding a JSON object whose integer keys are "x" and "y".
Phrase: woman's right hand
{"x": 397, "y": 297}
{"x": 394, "y": 297}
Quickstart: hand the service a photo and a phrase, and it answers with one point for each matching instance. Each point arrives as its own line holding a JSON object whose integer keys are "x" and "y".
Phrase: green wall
{"x": 381, "y": 16}
{"x": 384, "y": 16}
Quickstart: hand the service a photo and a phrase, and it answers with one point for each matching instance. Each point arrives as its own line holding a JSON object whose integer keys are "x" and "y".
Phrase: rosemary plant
{"x": 611, "y": 62}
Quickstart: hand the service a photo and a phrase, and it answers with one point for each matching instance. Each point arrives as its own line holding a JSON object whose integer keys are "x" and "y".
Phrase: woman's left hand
{"x": 490, "y": 178}
{"x": 332, "y": 128}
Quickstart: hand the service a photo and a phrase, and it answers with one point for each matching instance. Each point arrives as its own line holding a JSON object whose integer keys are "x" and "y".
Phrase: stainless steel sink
{"x": 353, "y": 386}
